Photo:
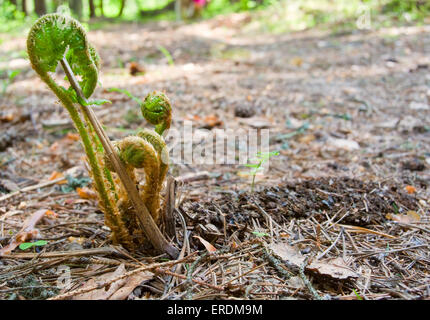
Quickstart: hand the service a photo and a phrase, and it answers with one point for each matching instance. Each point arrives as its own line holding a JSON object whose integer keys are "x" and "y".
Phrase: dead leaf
{"x": 51, "y": 214}
{"x": 212, "y": 121}
{"x": 306, "y": 138}
{"x": 410, "y": 189}
{"x": 335, "y": 268}
{"x": 296, "y": 61}
{"x": 8, "y": 185}
{"x": 86, "y": 193}
{"x": 135, "y": 68}
{"x": 79, "y": 240}
{"x": 6, "y": 118}
{"x": 56, "y": 175}
{"x": 409, "y": 217}
{"x": 54, "y": 147}
{"x": 295, "y": 282}
{"x": 27, "y": 232}
{"x": 210, "y": 248}
{"x": 117, "y": 290}
{"x": 72, "y": 136}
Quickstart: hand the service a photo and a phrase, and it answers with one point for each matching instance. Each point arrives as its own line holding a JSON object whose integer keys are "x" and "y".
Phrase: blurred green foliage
{"x": 267, "y": 15}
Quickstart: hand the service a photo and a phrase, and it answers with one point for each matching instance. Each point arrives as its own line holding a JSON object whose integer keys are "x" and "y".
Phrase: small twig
{"x": 27, "y": 288}
{"x": 306, "y": 280}
{"x": 57, "y": 254}
{"x": 124, "y": 275}
{"x": 195, "y": 176}
{"x": 363, "y": 254}
{"x": 331, "y": 246}
{"x": 189, "y": 293}
{"x": 31, "y": 188}
{"x": 175, "y": 268}
{"x": 413, "y": 226}
{"x": 277, "y": 264}
{"x": 180, "y": 276}
{"x": 365, "y": 230}
{"x": 244, "y": 274}
{"x": 168, "y": 217}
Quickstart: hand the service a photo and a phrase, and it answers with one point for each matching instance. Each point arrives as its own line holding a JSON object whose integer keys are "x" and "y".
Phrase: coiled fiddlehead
{"x": 160, "y": 146}
{"x": 156, "y": 109}
{"x": 139, "y": 153}
{"x": 148, "y": 149}
{"x": 50, "y": 39}
{"x": 54, "y": 36}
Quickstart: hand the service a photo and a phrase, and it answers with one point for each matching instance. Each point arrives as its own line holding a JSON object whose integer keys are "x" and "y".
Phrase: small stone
{"x": 243, "y": 111}
{"x": 344, "y": 144}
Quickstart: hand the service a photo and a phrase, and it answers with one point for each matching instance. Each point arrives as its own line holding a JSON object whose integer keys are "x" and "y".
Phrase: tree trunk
{"x": 76, "y": 7}
{"x": 121, "y": 8}
{"x": 40, "y": 7}
{"x": 178, "y": 9}
{"x": 102, "y": 11}
{"x": 92, "y": 9}
{"x": 24, "y": 7}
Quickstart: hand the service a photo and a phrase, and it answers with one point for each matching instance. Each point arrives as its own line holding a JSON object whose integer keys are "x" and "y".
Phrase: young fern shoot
{"x": 131, "y": 214}
{"x": 261, "y": 159}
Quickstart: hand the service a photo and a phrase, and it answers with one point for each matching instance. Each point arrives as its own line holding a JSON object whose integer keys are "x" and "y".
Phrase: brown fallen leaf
{"x": 72, "y": 136}
{"x": 27, "y": 232}
{"x": 210, "y": 248}
{"x": 135, "y": 68}
{"x": 117, "y": 290}
{"x": 410, "y": 189}
{"x": 409, "y": 217}
{"x": 86, "y": 193}
{"x": 6, "y": 117}
{"x": 212, "y": 121}
{"x": 50, "y": 215}
{"x": 335, "y": 268}
{"x": 56, "y": 175}
{"x": 296, "y": 61}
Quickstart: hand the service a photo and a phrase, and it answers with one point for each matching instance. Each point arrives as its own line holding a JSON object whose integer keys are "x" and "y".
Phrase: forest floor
{"x": 342, "y": 212}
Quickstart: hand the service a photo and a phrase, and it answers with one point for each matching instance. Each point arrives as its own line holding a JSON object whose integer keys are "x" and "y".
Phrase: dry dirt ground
{"x": 342, "y": 213}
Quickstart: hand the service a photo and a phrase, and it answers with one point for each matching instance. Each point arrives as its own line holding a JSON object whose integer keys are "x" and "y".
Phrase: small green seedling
{"x": 259, "y": 234}
{"x": 167, "y": 55}
{"x": 261, "y": 158}
{"x": 28, "y": 245}
{"x": 358, "y": 296}
{"x": 5, "y": 83}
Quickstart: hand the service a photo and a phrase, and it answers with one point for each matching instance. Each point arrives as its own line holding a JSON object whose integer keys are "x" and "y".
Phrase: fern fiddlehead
{"x": 55, "y": 38}
{"x": 156, "y": 109}
{"x": 148, "y": 149}
{"x": 51, "y": 38}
